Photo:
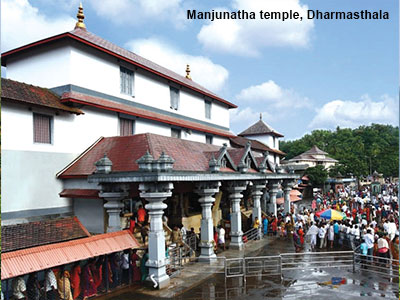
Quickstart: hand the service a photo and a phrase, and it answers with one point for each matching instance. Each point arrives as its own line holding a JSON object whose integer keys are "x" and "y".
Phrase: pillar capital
{"x": 113, "y": 208}
{"x": 288, "y": 184}
{"x": 273, "y": 185}
{"x": 205, "y": 188}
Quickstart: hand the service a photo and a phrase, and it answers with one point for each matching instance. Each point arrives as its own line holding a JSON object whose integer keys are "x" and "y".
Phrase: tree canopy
{"x": 317, "y": 175}
{"x": 359, "y": 151}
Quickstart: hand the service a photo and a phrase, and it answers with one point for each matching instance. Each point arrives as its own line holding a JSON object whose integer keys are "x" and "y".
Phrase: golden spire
{"x": 188, "y": 72}
{"x": 80, "y": 17}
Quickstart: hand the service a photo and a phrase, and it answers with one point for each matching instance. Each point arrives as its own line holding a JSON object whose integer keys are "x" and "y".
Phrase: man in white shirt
{"x": 369, "y": 240}
{"x": 392, "y": 229}
{"x": 19, "y": 288}
{"x": 321, "y": 235}
{"x": 50, "y": 284}
{"x": 221, "y": 237}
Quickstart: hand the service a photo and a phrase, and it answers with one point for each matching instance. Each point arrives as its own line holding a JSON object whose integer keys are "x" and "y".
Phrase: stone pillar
{"x": 113, "y": 207}
{"x": 287, "y": 187}
{"x": 206, "y": 191}
{"x": 155, "y": 194}
{"x": 235, "y": 188}
{"x": 264, "y": 200}
{"x": 256, "y": 193}
{"x": 273, "y": 190}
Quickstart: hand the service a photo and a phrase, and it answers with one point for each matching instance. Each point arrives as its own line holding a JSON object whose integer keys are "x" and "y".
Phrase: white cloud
{"x": 21, "y": 23}
{"x": 247, "y": 116}
{"x": 203, "y": 70}
{"x": 249, "y": 37}
{"x": 273, "y": 95}
{"x": 353, "y": 114}
{"x": 138, "y": 11}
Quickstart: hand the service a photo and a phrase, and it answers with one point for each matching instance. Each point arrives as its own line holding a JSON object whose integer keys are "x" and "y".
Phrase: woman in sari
{"x": 64, "y": 286}
{"x": 98, "y": 273}
{"x": 394, "y": 248}
{"x": 135, "y": 259}
{"x": 143, "y": 269}
{"x": 296, "y": 241}
{"x": 76, "y": 280}
{"x": 89, "y": 288}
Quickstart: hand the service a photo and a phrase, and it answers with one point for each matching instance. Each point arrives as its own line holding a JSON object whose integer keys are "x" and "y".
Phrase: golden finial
{"x": 80, "y": 17}
{"x": 188, "y": 72}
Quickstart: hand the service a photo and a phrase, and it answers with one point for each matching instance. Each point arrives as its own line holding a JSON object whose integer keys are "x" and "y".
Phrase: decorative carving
{"x": 103, "y": 165}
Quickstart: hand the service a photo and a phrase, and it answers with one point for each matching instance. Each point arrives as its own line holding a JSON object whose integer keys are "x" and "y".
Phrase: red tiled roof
{"x": 28, "y": 94}
{"x": 80, "y": 193}
{"x": 260, "y": 128}
{"x": 35, "y": 259}
{"x": 123, "y": 151}
{"x": 294, "y": 197}
{"x": 26, "y": 235}
{"x": 130, "y": 110}
{"x": 255, "y": 145}
{"x": 101, "y": 44}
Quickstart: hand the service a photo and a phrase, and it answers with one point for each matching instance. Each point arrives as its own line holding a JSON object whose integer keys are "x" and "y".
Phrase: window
{"x": 42, "y": 129}
{"x": 126, "y": 81}
{"x": 209, "y": 139}
{"x": 174, "y": 92}
{"x": 208, "y": 109}
{"x": 126, "y": 127}
{"x": 176, "y": 133}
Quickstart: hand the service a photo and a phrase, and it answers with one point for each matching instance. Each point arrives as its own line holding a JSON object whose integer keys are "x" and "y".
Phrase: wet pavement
{"x": 296, "y": 284}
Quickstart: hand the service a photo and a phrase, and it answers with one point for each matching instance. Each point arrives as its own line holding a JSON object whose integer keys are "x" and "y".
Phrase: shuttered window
{"x": 208, "y": 109}
{"x": 176, "y": 133}
{"x": 126, "y": 81}
{"x": 126, "y": 126}
{"x": 42, "y": 129}
{"x": 174, "y": 92}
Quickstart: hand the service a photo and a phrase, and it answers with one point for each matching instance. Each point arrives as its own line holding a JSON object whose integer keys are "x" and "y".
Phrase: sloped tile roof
{"x": 123, "y": 151}
{"x": 33, "y": 95}
{"x": 26, "y": 235}
{"x": 315, "y": 150}
{"x": 255, "y": 145}
{"x": 260, "y": 128}
{"x": 143, "y": 113}
{"x": 310, "y": 155}
{"x": 101, "y": 44}
{"x": 35, "y": 259}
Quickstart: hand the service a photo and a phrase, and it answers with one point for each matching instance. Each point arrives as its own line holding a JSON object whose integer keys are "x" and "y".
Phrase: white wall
{"x": 48, "y": 68}
{"x": 82, "y": 66}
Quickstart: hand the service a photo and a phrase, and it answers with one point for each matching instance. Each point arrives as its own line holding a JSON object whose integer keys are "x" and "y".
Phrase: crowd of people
{"x": 83, "y": 279}
{"x": 369, "y": 223}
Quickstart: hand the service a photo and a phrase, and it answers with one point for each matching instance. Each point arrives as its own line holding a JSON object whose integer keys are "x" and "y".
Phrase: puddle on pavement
{"x": 297, "y": 284}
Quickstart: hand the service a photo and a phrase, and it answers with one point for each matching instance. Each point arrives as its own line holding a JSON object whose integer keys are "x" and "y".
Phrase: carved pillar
{"x": 287, "y": 187}
{"x": 256, "y": 193}
{"x": 235, "y": 188}
{"x": 113, "y": 207}
{"x": 273, "y": 190}
{"x": 206, "y": 191}
{"x": 264, "y": 200}
{"x": 155, "y": 194}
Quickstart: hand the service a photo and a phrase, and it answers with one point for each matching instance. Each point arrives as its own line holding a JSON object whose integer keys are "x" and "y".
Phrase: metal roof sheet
{"x": 35, "y": 259}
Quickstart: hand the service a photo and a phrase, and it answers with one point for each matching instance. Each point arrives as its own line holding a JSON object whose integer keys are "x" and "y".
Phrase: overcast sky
{"x": 301, "y": 75}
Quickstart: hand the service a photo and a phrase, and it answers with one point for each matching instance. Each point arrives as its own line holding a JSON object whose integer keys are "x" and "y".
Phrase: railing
{"x": 384, "y": 267}
{"x": 252, "y": 234}
{"x": 312, "y": 260}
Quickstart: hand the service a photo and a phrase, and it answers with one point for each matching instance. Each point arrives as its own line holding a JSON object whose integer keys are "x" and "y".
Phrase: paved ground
{"x": 199, "y": 281}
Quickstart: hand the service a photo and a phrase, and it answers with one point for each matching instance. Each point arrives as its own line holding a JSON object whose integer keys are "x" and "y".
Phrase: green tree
{"x": 317, "y": 175}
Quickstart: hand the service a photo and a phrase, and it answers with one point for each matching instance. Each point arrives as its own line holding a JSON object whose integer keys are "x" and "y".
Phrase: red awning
{"x": 80, "y": 193}
{"x": 294, "y": 196}
{"x": 35, "y": 259}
